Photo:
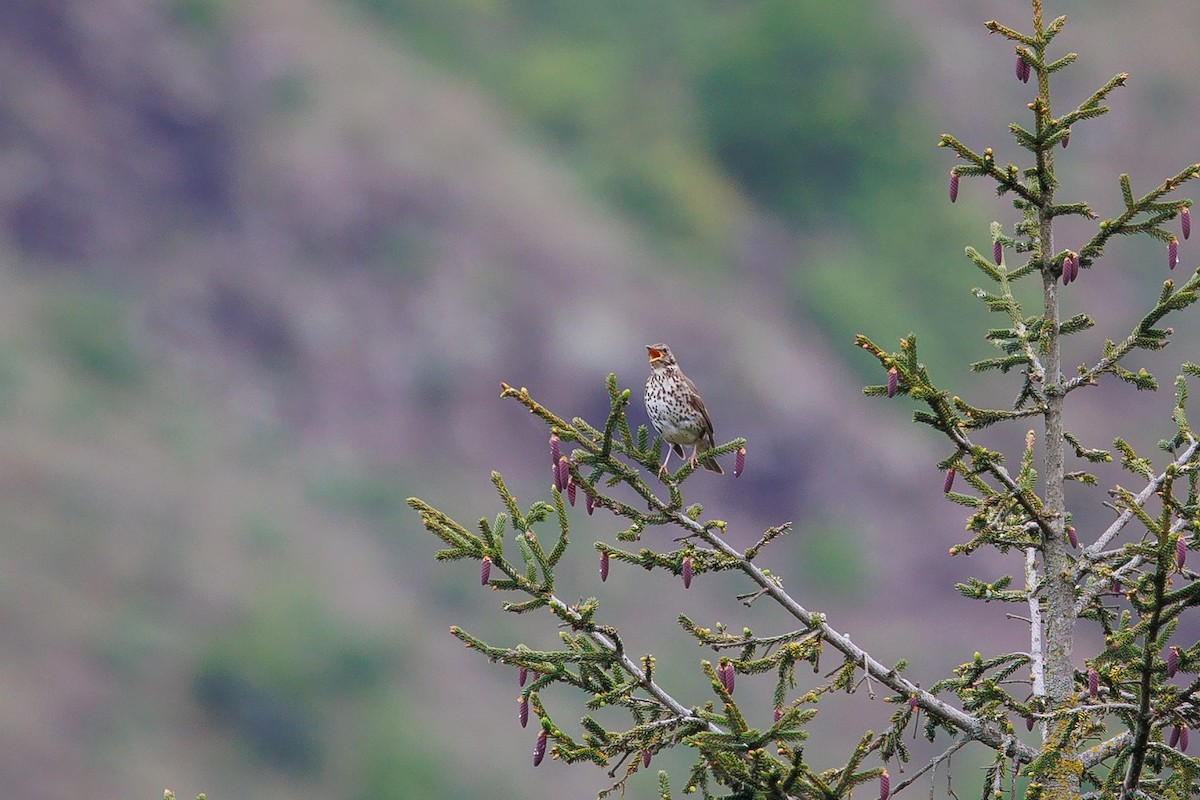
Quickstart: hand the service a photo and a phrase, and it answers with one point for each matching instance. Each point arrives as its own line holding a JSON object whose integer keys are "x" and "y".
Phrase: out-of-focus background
{"x": 264, "y": 265}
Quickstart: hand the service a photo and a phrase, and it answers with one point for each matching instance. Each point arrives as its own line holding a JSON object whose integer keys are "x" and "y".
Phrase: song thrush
{"x": 675, "y": 408}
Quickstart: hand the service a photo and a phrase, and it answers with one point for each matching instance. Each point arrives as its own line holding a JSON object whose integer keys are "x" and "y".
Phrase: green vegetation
{"x": 368, "y": 493}
{"x": 318, "y": 698}
{"x": 684, "y": 115}
{"x": 91, "y": 328}
{"x": 831, "y": 561}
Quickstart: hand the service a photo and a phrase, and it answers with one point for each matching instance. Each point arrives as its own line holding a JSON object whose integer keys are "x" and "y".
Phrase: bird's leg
{"x": 662, "y": 470}
{"x": 692, "y": 459}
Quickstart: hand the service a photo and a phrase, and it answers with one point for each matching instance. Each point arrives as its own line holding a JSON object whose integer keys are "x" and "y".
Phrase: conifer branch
{"x": 1144, "y": 335}
{"x": 984, "y": 163}
{"x": 1094, "y": 553}
{"x": 959, "y": 743}
{"x": 974, "y": 727}
{"x": 682, "y": 713}
{"x": 1144, "y": 719}
{"x": 1124, "y": 225}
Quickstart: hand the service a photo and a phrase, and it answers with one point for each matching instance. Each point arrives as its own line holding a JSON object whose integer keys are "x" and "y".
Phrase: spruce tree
{"x": 1115, "y": 727}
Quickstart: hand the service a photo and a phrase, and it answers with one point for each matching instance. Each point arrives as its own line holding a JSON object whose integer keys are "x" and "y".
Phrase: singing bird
{"x": 675, "y": 408}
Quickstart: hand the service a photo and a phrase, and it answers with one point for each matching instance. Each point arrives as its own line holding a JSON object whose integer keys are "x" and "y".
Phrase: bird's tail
{"x": 711, "y": 464}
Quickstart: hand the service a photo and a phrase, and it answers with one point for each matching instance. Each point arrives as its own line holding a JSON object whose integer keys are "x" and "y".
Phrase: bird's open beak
{"x": 655, "y": 355}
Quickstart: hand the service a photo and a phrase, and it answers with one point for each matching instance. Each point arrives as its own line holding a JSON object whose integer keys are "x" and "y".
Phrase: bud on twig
{"x": 485, "y": 570}
{"x": 539, "y": 747}
{"x": 953, "y": 186}
{"x": 893, "y": 381}
{"x": 603, "y": 565}
{"x": 1185, "y": 221}
{"x": 523, "y": 710}
{"x": 1172, "y": 661}
{"x": 1022, "y": 69}
{"x": 778, "y": 715}
{"x": 687, "y": 572}
{"x": 1172, "y": 252}
{"x": 1066, "y": 139}
{"x": 1093, "y": 679}
{"x": 948, "y": 481}
{"x": 885, "y": 785}
{"x": 739, "y": 461}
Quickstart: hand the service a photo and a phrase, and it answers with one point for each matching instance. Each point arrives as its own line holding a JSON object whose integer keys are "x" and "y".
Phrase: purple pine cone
{"x": 1070, "y": 267}
{"x": 725, "y": 673}
{"x": 603, "y": 565}
{"x": 1022, "y": 69}
{"x": 485, "y": 570}
{"x": 562, "y": 475}
{"x": 523, "y": 710}
{"x": 953, "y": 186}
{"x": 687, "y": 572}
{"x": 539, "y": 747}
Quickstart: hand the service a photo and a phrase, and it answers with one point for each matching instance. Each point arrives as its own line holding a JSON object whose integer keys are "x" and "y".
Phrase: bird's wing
{"x": 698, "y": 404}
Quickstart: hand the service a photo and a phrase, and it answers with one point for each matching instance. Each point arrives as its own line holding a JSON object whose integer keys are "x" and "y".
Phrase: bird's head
{"x": 660, "y": 356}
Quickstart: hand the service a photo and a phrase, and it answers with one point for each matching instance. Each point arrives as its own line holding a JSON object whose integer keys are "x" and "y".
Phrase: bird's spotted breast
{"x": 668, "y": 408}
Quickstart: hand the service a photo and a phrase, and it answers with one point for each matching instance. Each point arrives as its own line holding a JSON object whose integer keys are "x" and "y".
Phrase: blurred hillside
{"x": 264, "y": 266}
